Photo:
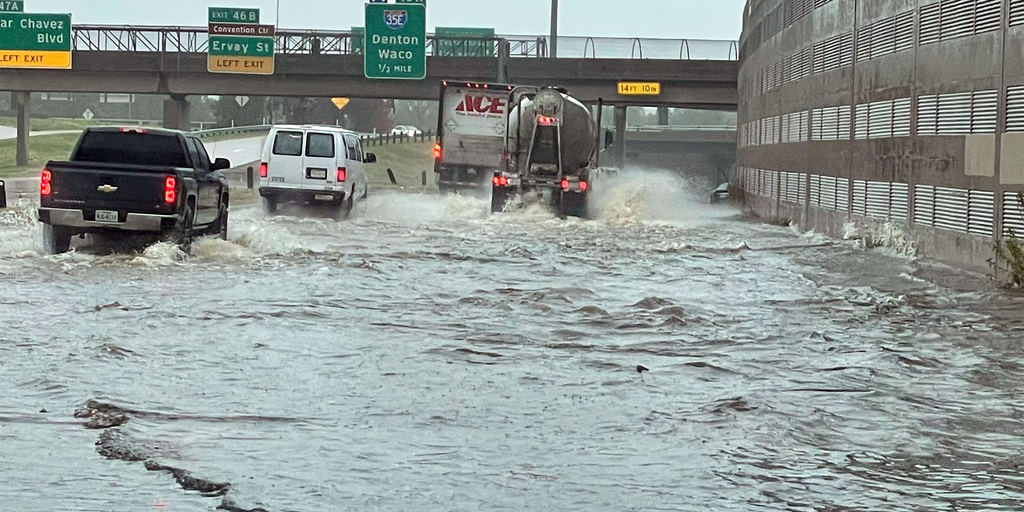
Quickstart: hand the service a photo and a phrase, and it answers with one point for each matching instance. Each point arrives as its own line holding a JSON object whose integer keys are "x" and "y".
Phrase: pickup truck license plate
{"x": 318, "y": 174}
{"x": 323, "y": 197}
{"x": 106, "y": 216}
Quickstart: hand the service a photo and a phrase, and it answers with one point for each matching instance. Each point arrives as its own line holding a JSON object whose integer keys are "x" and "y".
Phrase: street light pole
{"x": 277, "y": 20}
{"x": 554, "y": 29}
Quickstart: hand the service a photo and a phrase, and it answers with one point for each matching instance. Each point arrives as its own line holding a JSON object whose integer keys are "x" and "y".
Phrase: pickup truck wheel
{"x": 222, "y": 223}
{"x": 182, "y": 233}
{"x": 269, "y": 206}
{"x": 56, "y": 239}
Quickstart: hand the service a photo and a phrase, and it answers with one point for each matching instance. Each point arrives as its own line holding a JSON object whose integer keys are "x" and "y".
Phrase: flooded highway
{"x": 426, "y": 356}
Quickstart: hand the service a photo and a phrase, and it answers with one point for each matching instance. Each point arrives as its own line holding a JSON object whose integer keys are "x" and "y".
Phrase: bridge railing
{"x": 152, "y": 39}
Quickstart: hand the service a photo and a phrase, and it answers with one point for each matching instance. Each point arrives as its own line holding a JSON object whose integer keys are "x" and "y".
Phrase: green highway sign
{"x": 424, "y": 2}
{"x": 6, "y": 6}
{"x": 238, "y": 43}
{"x": 233, "y": 15}
{"x": 395, "y": 44}
{"x": 460, "y": 45}
{"x": 35, "y": 40}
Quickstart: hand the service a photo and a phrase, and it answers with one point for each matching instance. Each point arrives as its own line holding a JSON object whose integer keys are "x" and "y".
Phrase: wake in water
{"x": 652, "y": 195}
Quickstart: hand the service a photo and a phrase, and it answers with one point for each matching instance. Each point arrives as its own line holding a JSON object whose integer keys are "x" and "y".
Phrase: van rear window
{"x": 288, "y": 144}
{"x": 132, "y": 149}
{"x": 321, "y": 145}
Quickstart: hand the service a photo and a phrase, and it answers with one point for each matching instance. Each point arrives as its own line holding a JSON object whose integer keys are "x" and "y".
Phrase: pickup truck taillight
{"x": 264, "y": 170}
{"x": 171, "y": 190}
{"x": 46, "y": 183}
{"x": 342, "y": 174}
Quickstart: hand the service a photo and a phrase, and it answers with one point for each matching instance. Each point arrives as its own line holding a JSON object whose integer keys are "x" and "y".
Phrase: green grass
{"x": 46, "y": 125}
{"x": 408, "y": 161}
{"x": 42, "y": 149}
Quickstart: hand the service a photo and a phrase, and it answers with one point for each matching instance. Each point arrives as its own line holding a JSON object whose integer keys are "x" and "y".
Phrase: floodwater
{"x": 426, "y": 356}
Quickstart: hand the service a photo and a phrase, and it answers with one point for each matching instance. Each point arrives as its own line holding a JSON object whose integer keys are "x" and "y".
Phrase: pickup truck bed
{"x": 133, "y": 180}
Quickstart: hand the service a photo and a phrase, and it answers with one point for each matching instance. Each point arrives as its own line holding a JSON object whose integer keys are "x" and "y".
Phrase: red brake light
{"x": 170, "y": 190}
{"x": 544, "y": 120}
{"x": 583, "y": 186}
{"x": 46, "y": 185}
{"x": 565, "y": 184}
{"x": 342, "y": 174}
{"x": 134, "y": 130}
{"x": 264, "y": 170}
{"x": 497, "y": 181}
{"x": 437, "y": 151}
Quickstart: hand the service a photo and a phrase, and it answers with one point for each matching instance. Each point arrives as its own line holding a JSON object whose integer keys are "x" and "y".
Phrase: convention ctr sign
{"x": 238, "y": 43}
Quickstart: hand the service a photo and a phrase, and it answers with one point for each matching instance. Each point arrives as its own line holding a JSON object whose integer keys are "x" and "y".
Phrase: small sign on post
{"x": 12, "y": 6}
{"x": 88, "y": 115}
{"x": 242, "y": 100}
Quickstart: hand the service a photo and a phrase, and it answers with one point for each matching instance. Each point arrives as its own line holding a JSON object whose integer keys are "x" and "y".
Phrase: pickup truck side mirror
{"x": 369, "y": 158}
{"x": 220, "y": 164}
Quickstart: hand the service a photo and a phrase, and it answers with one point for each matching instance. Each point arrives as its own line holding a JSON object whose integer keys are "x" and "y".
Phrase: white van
{"x": 313, "y": 165}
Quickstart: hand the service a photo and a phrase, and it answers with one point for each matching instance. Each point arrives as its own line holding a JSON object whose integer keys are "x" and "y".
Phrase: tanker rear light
{"x": 500, "y": 181}
{"x": 547, "y": 121}
{"x": 437, "y": 151}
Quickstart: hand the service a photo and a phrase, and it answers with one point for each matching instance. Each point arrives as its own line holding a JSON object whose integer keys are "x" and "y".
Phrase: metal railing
{"x": 238, "y": 130}
{"x": 153, "y": 39}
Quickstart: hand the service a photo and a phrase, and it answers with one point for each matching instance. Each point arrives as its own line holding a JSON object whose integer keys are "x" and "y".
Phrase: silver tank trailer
{"x": 578, "y": 128}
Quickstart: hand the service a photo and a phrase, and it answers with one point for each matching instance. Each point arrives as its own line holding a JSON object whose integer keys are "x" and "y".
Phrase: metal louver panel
{"x": 820, "y": 3}
{"x": 815, "y": 192}
{"x": 860, "y": 198}
{"x": 981, "y": 212}
{"x": 1013, "y": 214}
{"x": 901, "y": 118}
{"x": 878, "y": 199}
{"x": 924, "y": 205}
{"x": 987, "y": 16}
{"x": 905, "y": 31}
{"x": 931, "y": 24}
{"x": 842, "y": 194}
{"x": 951, "y": 207}
{"x": 899, "y": 202}
{"x": 957, "y": 19}
{"x": 1016, "y": 12}
{"x": 772, "y": 23}
{"x": 833, "y": 53}
{"x": 828, "y": 192}
{"x": 960, "y": 113}
{"x": 951, "y": 19}
{"x": 860, "y": 130}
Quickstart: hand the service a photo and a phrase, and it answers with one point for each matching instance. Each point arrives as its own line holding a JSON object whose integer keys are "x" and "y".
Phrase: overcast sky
{"x": 676, "y": 19}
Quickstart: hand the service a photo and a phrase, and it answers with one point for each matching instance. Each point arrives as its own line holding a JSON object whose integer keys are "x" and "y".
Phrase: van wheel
{"x": 269, "y": 206}
{"x": 344, "y": 209}
{"x": 56, "y": 239}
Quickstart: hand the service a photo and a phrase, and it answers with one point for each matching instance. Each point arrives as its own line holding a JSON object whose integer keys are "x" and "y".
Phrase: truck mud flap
{"x": 571, "y": 204}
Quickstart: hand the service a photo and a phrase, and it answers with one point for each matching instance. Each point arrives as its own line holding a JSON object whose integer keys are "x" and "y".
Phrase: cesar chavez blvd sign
{"x": 35, "y": 40}
{"x": 238, "y": 43}
{"x": 395, "y": 42}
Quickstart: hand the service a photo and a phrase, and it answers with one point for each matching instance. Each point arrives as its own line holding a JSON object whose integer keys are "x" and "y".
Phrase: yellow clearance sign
{"x": 639, "y": 88}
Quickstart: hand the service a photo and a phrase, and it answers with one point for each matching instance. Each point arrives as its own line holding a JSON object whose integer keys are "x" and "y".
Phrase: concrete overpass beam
{"x": 663, "y": 116}
{"x": 23, "y": 107}
{"x": 620, "y": 136}
{"x": 177, "y": 113}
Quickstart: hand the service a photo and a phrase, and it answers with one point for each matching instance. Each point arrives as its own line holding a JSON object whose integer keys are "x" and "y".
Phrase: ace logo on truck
{"x": 482, "y": 105}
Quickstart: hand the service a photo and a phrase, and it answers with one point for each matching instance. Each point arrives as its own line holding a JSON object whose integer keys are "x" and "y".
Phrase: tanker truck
{"x": 551, "y": 151}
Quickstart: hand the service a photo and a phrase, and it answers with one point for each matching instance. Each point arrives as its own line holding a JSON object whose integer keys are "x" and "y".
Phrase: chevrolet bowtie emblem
{"x": 107, "y": 189}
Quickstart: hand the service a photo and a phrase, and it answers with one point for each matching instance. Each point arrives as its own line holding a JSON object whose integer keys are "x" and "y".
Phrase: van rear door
{"x": 285, "y": 165}
{"x": 320, "y": 169}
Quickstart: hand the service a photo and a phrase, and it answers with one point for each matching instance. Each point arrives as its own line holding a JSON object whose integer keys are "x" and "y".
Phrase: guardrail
{"x": 380, "y": 140}
{"x": 238, "y": 130}
{"x": 180, "y": 40}
{"x": 680, "y": 128}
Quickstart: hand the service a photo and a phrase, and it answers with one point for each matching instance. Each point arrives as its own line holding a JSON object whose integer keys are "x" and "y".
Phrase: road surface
{"x": 427, "y": 356}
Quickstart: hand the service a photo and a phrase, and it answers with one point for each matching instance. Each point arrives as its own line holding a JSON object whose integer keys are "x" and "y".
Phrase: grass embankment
{"x": 41, "y": 149}
{"x": 47, "y": 125}
{"x": 408, "y": 161}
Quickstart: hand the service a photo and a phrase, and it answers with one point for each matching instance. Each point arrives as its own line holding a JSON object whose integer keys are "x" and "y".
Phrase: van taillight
{"x": 171, "y": 190}
{"x": 437, "y": 151}
{"x": 264, "y": 170}
{"x": 565, "y": 184}
{"x": 46, "y": 183}
{"x": 342, "y": 174}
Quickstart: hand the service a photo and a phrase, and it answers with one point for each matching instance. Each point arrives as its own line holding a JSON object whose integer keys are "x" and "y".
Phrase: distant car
{"x": 313, "y": 165}
{"x": 408, "y": 131}
{"x": 721, "y": 194}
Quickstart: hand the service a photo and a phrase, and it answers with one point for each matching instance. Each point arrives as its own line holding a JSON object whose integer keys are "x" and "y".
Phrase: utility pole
{"x": 554, "y": 29}
{"x": 277, "y": 20}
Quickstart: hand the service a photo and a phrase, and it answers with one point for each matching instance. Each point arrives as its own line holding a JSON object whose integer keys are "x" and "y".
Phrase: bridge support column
{"x": 176, "y": 113}
{"x": 620, "y": 136}
{"x": 663, "y": 116}
{"x": 22, "y": 103}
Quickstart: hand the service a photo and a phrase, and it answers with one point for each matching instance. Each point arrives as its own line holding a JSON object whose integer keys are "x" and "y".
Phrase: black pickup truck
{"x": 133, "y": 180}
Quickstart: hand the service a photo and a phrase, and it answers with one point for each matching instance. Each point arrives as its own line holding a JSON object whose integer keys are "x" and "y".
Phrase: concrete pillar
{"x": 177, "y": 113}
{"x": 22, "y": 103}
{"x": 663, "y": 116}
{"x": 504, "y": 54}
{"x": 620, "y": 136}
